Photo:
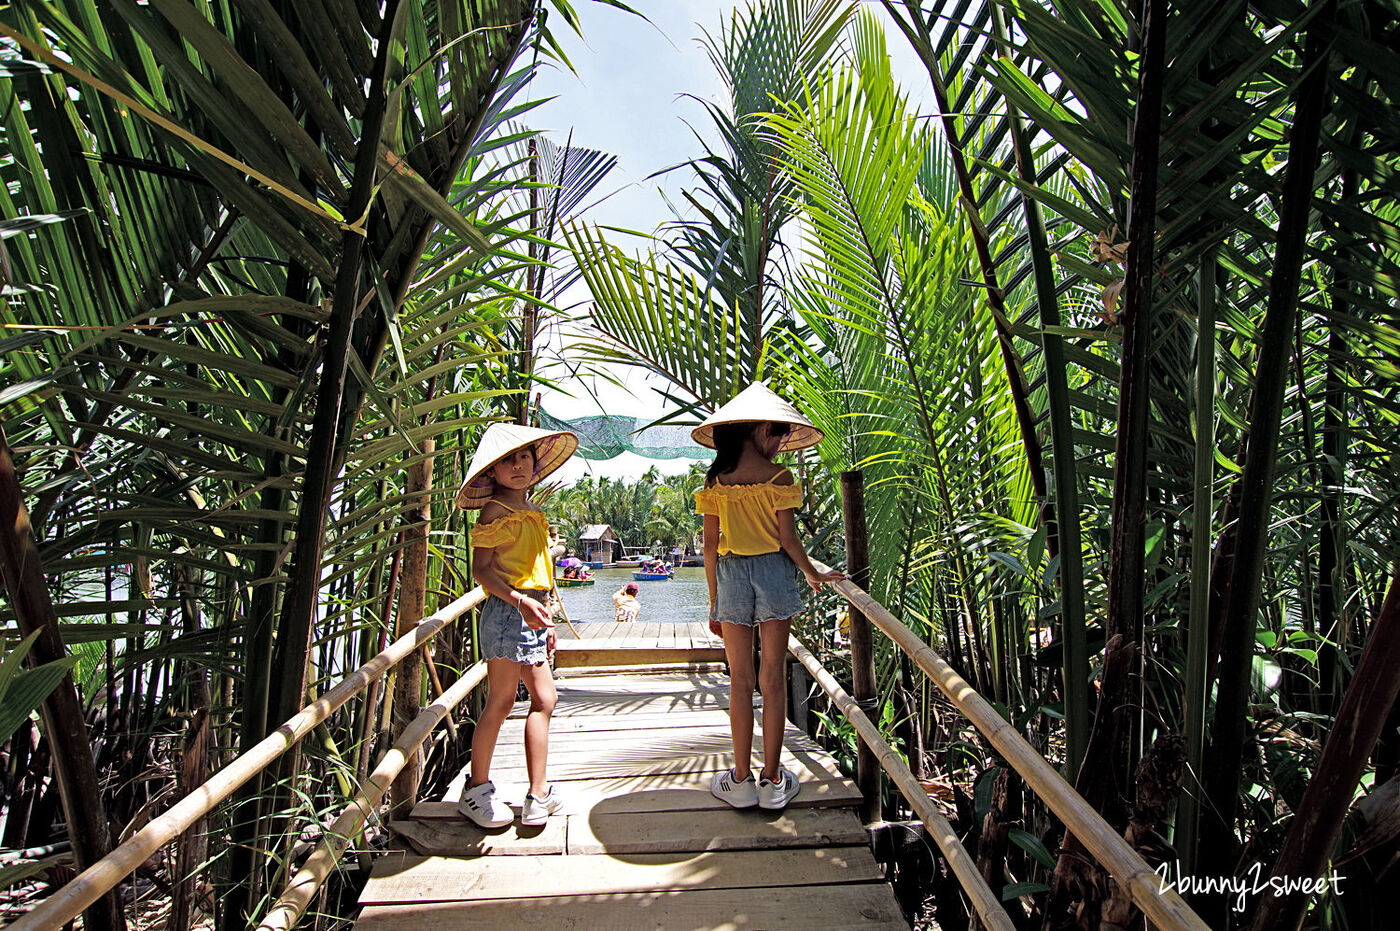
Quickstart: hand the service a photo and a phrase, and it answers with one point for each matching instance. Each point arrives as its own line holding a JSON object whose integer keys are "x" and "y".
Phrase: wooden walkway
{"x": 641, "y": 843}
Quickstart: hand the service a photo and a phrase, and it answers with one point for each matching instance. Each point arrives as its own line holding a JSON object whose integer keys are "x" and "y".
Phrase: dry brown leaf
{"x": 1105, "y": 249}
{"x": 1111, "y": 293}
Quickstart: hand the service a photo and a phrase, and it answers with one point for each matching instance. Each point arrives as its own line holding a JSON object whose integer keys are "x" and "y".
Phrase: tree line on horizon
{"x": 652, "y": 508}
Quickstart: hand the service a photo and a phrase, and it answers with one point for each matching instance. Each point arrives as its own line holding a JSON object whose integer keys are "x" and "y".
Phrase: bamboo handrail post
{"x": 93, "y": 883}
{"x": 1162, "y": 906}
{"x": 301, "y": 888}
{"x": 989, "y": 908}
{"x": 862, "y": 641}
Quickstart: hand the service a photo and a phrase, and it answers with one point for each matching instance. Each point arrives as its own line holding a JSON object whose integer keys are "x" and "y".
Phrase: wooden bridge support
{"x": 862, "y": 641}
{"x": 413, "y": 601}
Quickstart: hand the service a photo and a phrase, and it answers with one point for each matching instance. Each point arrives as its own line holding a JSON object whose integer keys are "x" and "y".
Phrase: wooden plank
{"x": 634, "y": 681}
{"x": 438, "y": 879}
{"x": 697, "y": 667}
{"x": 666, "y": 742}
{"x": 628, "y": 722}
{"x": 727, "y": 829}
{"x": 630, "y": 832}
{"x": 624, "y": 727}
{"x": 664, "y": 792}
{"x": 460, "y": 837}
{"x": 622, "y": 703}
{"x": 805, "y": 764}
{"x": 590, "y": 653}
{"x": 851, "y": 907}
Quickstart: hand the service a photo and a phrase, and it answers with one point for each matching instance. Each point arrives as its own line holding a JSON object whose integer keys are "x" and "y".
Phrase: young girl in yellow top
{"x": 511, "y": 561}
{"x": 752, "y": 556}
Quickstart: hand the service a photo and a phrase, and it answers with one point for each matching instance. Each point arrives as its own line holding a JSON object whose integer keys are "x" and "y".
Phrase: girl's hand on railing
{"x": 821, "y": 578}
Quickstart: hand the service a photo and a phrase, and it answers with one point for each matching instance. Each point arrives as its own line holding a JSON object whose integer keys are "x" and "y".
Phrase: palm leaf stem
{"x": 1102, "y": 777}
{"x": 1015, "y": 372}
{"x": 1202, "y": 511}
{"x": 62, "y": 711}
{"x": 1062, "y": 523}
{"x": 1331, "y": 541}
{"x": 293, "y": 646}
{"x": 1223, "y": 764}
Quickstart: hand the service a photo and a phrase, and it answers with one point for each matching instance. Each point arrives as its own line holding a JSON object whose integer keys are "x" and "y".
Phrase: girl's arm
{"x": 489, "y": 577}
{"x": 711, "y": 536}
{"x": 787, "y": 538}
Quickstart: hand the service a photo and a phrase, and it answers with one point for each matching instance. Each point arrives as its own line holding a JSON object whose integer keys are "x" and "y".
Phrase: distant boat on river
{"x": 651, "y": 576}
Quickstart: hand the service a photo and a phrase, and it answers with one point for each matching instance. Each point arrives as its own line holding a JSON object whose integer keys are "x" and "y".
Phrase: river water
{"x": 682, "y": 599}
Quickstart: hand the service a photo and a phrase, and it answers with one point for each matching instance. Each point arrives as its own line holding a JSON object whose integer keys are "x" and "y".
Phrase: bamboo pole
{"x": 1163, "y": 906}
{"x": 93, "y": 882}
{"x": 988, "y": 907}
{"x": 302, "y": 887}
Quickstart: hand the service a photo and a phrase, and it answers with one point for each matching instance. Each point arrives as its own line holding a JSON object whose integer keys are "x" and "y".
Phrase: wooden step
{"x": 603, "y": 745}
{"x": 408, "y": 878}
{"x": 663, "y": 792}
{"x": 687, "y": 832}
{"x": 594, "y": 832}
{"x": 589, "y": 653}
{"x": 851, "y": 907}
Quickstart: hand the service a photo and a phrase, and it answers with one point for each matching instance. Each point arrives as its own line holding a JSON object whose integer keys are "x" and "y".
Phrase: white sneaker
{"x": 537, "y": 810}
{"x": 776, "y": 793}
{"x": 739, "y": 794}
{"x": 481, "y": 805}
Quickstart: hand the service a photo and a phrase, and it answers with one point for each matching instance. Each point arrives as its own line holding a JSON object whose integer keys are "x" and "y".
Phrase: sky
{"x": 630, "y": 96}
{"x": 627, "y": 97}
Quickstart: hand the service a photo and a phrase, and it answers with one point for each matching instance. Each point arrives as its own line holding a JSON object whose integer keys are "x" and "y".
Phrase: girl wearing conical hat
{"x": 752, "y": 557}
{"x": 511, "y": 561}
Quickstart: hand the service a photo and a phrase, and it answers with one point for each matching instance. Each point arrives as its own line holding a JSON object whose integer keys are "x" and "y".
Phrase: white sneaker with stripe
{"x": 480, "y": 804}
{"x": 739, "y": 794}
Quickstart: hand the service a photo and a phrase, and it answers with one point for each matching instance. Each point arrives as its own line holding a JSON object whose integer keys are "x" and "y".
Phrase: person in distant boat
{"x": 626, "y": 607}
{"x": 511, "y": 561}
{"x": 752, "y": 557}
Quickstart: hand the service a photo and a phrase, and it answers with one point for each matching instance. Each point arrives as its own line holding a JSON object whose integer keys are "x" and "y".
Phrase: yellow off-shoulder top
{"x": 748, "y": 514}
{"x": 521, "y": 542}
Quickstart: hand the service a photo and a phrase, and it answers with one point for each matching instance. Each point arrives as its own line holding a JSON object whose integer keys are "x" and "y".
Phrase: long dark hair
{"x": 729, "y": 443}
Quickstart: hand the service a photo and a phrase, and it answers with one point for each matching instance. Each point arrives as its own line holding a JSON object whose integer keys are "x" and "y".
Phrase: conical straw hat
{"x": 552, "y": 449}
{"x": 758, "y": 404}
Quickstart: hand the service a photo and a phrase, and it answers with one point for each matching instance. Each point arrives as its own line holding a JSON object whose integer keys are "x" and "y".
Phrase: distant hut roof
{"x": 598, "y": 532}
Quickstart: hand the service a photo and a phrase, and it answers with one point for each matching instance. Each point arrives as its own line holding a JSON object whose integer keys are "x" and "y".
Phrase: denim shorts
{"x": 753, "y": 589}
{"x": 502, "y": 634}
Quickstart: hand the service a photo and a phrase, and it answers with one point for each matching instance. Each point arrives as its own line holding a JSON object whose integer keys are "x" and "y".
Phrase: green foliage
{"x": 22, "y": 691}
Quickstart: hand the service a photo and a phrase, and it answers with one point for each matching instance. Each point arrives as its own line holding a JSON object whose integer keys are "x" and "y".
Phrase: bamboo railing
{"x": 96, "y": 880}
{"x": 295, "y": 899}
{"x": 1163, "y": 907}
{"x": 988, "y": 907}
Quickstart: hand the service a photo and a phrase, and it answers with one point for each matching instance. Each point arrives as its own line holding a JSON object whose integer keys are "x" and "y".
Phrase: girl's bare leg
{"x": 539, "y": 682}
{"x": 772, "y": 681}
{"x": 501, "y": 677}
{"x": 738, "y": 649}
